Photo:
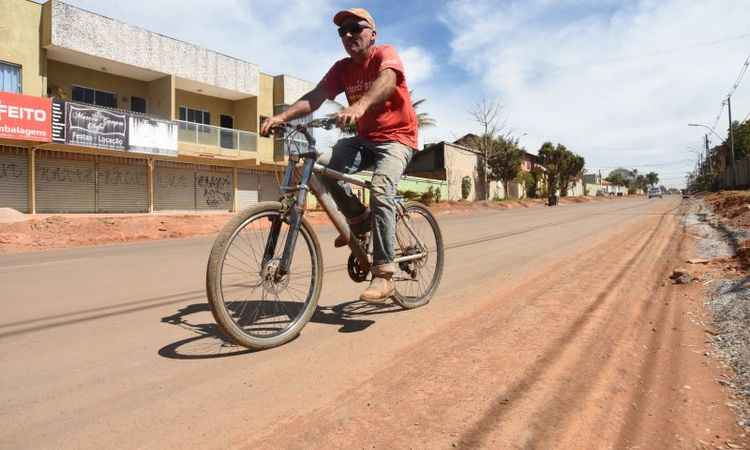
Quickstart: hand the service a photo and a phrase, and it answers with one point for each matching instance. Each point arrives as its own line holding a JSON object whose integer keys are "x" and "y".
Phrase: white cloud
{"x": 615, "y": 81}
{"x": 417, "y": 64}
{"x": 617, "y": 87}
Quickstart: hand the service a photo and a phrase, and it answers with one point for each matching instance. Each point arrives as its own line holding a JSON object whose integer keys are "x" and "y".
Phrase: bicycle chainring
{"x": 356, "y": 273}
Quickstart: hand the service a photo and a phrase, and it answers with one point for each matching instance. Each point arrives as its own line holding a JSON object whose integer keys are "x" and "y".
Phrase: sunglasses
{"x": 352, "y": 29}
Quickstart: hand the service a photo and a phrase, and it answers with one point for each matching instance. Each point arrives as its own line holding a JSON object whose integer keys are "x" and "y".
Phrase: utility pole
{"x": 708, "y": 161}
{"x": 731, "y": 143}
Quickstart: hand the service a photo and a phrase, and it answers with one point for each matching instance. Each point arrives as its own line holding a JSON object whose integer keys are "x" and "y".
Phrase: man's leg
{"x": 391, "y": 159}
{"x": 348, "y": 156}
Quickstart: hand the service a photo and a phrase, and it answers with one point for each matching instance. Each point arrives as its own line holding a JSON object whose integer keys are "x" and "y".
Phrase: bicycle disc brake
{"x": 356, "y": 273}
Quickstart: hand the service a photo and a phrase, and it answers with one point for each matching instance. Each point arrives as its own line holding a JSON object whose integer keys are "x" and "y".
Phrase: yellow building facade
{"x": 187, "y": 117}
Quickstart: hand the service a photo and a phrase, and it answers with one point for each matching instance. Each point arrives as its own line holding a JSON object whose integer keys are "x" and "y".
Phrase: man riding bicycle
{"x": 374, "y": 82}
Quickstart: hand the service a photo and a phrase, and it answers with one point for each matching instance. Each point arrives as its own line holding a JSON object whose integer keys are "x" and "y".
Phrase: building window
{"x": 10, "y": 78}
{"x": 195, "y": 115}
{"x": 94, "y": 97}
{"x": 138, "y": 104}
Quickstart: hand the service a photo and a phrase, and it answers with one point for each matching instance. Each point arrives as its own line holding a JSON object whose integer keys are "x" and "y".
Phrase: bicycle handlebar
{"x": 302, "y": 128}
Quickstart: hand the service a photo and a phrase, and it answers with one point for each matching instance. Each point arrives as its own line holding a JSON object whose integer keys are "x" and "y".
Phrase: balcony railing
{"x": 225, "y": 138}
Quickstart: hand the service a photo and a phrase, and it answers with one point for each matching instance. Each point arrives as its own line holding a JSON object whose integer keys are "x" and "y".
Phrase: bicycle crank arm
{"x": 409, "y": 258}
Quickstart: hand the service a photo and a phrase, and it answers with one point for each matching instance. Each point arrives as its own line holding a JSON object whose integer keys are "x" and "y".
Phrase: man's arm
{"x": 305, "y": 105}
{"x": 380, "y": 91}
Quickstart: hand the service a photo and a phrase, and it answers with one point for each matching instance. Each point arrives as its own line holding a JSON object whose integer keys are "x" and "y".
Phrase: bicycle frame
{"x": 310, "y": 181}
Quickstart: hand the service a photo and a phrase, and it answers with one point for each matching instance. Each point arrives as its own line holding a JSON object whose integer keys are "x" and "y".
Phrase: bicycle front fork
{"x": 292, "y": 214}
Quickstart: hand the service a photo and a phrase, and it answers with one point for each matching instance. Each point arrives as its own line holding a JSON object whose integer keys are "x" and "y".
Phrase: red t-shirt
{"x": 393, "y": 120}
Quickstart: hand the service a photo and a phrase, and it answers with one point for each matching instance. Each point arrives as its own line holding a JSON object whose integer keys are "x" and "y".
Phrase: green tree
{"x": 652, "y": 178}
{"x": 741, "y": 139}
{"x": 616, "y": 179}
{"x": 571, "y": 171}
{"x": 504, "y": 161}
{"x": 532, "y": 181}
{"x": 553, "y": 159}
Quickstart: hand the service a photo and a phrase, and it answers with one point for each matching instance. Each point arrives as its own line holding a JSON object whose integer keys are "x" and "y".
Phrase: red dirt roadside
{"x": 46, "y": 232}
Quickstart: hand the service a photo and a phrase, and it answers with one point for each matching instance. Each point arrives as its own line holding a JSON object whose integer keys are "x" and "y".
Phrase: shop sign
{"x": 89, "y": 126}
{"x": 24, "y": 117}
{"x": 152, "y": 136}
{"x": 58, "y": 121}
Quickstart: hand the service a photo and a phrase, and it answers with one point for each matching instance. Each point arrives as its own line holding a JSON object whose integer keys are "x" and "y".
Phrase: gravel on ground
{"x": 721, "y": 224}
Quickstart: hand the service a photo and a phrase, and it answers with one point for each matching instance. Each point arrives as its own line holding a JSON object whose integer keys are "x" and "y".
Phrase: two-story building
{"x": 139, "y": 122}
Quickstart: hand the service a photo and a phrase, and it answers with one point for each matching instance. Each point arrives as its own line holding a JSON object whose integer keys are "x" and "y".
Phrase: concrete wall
{"x": 460, "y": 163}
{"x": 265, "y": 108}
{"x": 246, "y": 114}
{"x": 63, "y": 76}
{"x": 593, "y": 188}
{"x": 20, "y": 37}
{"x": 288, "y": 89}
{"x": 75, "y": 29}
{"x": 214, "y": 105}
{"x": 161, "y": 97}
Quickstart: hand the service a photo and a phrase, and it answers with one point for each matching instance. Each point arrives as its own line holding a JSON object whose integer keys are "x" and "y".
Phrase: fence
{"x": 742, "y": 167}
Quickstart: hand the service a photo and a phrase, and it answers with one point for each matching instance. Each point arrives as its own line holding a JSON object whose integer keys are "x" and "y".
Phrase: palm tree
{"x": 423, "y": 119}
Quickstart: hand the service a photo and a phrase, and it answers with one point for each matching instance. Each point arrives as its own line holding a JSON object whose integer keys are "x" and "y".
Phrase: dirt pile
{"x": 732, "y": 205}
{"x": 61, "y": 231}
{"x": 10, "y": 215}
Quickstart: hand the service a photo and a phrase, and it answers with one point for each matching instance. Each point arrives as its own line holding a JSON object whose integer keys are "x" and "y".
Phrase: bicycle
{"x": 258, "y": 253}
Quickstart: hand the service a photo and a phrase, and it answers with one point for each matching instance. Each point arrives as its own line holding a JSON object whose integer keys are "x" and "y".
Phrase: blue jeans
{"x": 388, "y": 161}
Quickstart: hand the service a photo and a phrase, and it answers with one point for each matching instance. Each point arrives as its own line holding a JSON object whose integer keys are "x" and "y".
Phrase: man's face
{"x": 356, "y": 36}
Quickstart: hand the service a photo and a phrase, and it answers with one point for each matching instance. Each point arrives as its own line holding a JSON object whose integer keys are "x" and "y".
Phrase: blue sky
{"x": 616, "y": 81}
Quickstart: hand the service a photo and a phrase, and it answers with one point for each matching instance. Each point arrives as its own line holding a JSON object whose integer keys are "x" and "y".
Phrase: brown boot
{"x": 380, "y": 290}
{"x": 381, "y": 286}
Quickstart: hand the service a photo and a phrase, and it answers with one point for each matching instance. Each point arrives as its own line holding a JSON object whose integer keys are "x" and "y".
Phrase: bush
{"x": 465, "y": 187}
{"x": 409, "y": 195}
{"x": 428, "y": 197}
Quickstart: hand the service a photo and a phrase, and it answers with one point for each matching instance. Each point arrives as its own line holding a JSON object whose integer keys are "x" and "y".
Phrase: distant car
{"x": 654, "y": 192}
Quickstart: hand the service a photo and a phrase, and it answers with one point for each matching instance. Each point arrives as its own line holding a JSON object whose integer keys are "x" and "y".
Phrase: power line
{"x": 741, "y": 75}
{"x": 718, "y": 116}
{"x": 737, "y": 82}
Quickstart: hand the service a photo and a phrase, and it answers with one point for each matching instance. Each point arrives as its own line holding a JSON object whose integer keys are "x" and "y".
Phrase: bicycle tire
{"x": 414, "y": 301}
{"x": 223, "y": 314}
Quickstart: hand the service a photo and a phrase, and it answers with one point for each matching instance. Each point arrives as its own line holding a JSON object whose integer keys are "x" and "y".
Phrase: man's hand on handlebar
{"x": 349, "y": 115}
{"x": 269, "y": 125}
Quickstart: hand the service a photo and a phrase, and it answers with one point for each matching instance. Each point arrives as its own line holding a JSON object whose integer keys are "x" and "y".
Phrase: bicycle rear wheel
{"x": 251, "y": 305}
{"x": 417, "y": 232}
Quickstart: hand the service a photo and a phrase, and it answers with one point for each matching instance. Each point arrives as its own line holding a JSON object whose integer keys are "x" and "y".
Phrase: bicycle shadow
{"x": 209, "y": 342}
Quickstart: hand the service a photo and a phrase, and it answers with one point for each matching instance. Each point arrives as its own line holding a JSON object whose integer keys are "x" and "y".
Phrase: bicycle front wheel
{"x": 251, "y": 304}
{"x": 418, "y": 233}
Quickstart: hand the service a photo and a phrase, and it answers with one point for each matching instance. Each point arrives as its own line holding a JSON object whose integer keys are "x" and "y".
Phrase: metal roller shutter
{"x": 214, "y": 188}
{"x": 269, "y": 187}
{"x": 14, "y": 178}
{"x": 248, "y": 183}
{"x": 121, "y": 185}
{"x": 174, "y": 187}
{"x": 65, "y": 182}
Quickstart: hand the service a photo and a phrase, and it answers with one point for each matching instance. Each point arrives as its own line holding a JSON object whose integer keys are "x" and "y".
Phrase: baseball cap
{"x": 359, "y": 13}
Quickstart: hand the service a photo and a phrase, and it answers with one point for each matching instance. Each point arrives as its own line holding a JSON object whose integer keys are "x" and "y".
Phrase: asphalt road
{"x": 113, "y": 347}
